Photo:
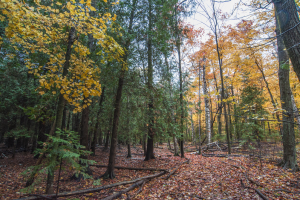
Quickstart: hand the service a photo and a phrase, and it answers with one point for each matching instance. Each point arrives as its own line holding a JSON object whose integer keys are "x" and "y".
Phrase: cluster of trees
{"x": 245, "y": 74}
{"x": 102, "y": 70}
{"x": 114, "y": 73}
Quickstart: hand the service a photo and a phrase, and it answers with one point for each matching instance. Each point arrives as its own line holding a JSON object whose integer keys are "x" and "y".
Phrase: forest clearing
{"x": 149, "y": 99}
{"x": 200, "y": 178}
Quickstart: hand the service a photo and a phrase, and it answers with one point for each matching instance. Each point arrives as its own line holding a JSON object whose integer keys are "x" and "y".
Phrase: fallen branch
{"x": 130, "y": 168}
{"x": 287, "y": 191}
{"x": 245, "y": 174}
{"x": 137, "y": 192}
{"x": 171, "y": 173}
{"x": 91, "y": 190}
{"x": 264, "y": 197}
{"x": 118, "y": 194}
{"x": 214, "y": 155}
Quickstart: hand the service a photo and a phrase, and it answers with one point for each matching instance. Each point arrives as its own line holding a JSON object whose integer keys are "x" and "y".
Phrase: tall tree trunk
{"x": 219, "y": 107}
{"x": 236, "y": 131}
{"x": 178, "y": 44}
{"x": 199, "y": 111}
{"x": 128, "y": 130}
{"x": 84, "y": 135}
{"x": 288, "y": 134}
{"x": 98, "y": 121}
{"x": 192, "y": 126}
{"x": 288, "y": 24}
{"x": 60, "y": 108}
{"x": 221, "y": 75}
{"x": 114, "y": 136}
{"x": 207, "y": 107}
{"x": 150, "y": 148}
{"x": 229, "y": 122}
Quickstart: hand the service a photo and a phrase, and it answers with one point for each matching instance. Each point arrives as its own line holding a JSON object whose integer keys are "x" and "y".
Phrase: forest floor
{"x": 200, "y": 178}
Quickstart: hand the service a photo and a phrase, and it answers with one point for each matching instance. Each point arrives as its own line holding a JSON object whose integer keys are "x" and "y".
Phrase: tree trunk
{"x": 288, "y": 134}
{"x": 236, "y": 131}
{"x": 128, "y": 150}
{"x": 229, "y": 122}
{"x": 41, "y": 134}
{"x": 175, "y": 146}
{"x": 97, "y": 123}
{"x": 192, "y": 126}
{"x": 199, "y": 112}
{"x": 150, "y": 148}
{"x": 84, "y": 135}
{"x": 178, "y": 44}
{"x": 60, "y": 108}
{"x": 288, "y": 23}
{"x": 222, "y": 81}
{"x": 207, "y": 107}
{"x": 114, "y": 136}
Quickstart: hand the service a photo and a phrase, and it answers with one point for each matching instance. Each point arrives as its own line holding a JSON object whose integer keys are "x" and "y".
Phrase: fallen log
{"x": 264, "y": 197}
{"x": 131, "y": 168}
{"x": 118, "y": 194}
{"x": 137, "y": 192}
{"x": 92, "y": 190}
{"x": 221, "y": 155}
{"x": 171, "y": 173}
{"x": 214, "y": 155}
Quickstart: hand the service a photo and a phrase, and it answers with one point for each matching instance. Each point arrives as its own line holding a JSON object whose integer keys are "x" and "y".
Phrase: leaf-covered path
{"x": 201, "y": 177}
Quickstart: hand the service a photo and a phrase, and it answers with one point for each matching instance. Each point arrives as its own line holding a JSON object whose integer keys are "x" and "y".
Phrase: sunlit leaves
{"x": 43, "y": 30}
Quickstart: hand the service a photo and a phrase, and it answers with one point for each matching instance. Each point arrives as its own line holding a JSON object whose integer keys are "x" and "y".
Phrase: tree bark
{"x": 98, "y": 122}
{"x": 288, "y": 134}
{"x": 221, "y": 75}
{"x": 192, "y": 126}
{"x": 288, "y": 24}
{"x": 114, "y": 136}
{"x": 199, "y": 113}
{"x": 178, "y": 44}
{"x": 60, "y": 107}
{"x": 207, "y": 107}
{"x": 150, "y": 148}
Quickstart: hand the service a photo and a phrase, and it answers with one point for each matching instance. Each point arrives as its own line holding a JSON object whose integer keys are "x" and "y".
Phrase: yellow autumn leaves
{"x": 42, "y": 31}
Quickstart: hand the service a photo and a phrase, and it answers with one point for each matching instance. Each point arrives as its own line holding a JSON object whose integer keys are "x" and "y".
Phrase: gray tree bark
{"x": 288, "y": 134}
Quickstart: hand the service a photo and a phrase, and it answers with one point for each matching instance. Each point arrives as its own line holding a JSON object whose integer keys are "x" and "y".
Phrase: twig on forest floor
{"x": 284, "y": 190}
{"x": 264, "y": 197}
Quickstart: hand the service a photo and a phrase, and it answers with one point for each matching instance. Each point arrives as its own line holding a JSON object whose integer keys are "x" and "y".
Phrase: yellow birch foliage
{"x": 43, "y": 30}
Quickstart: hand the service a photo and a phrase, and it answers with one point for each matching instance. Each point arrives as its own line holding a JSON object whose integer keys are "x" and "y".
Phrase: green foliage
{"x": 19, "y": 132}
{"x": 69, "y": 150}
{"x": 251, "y": 107}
